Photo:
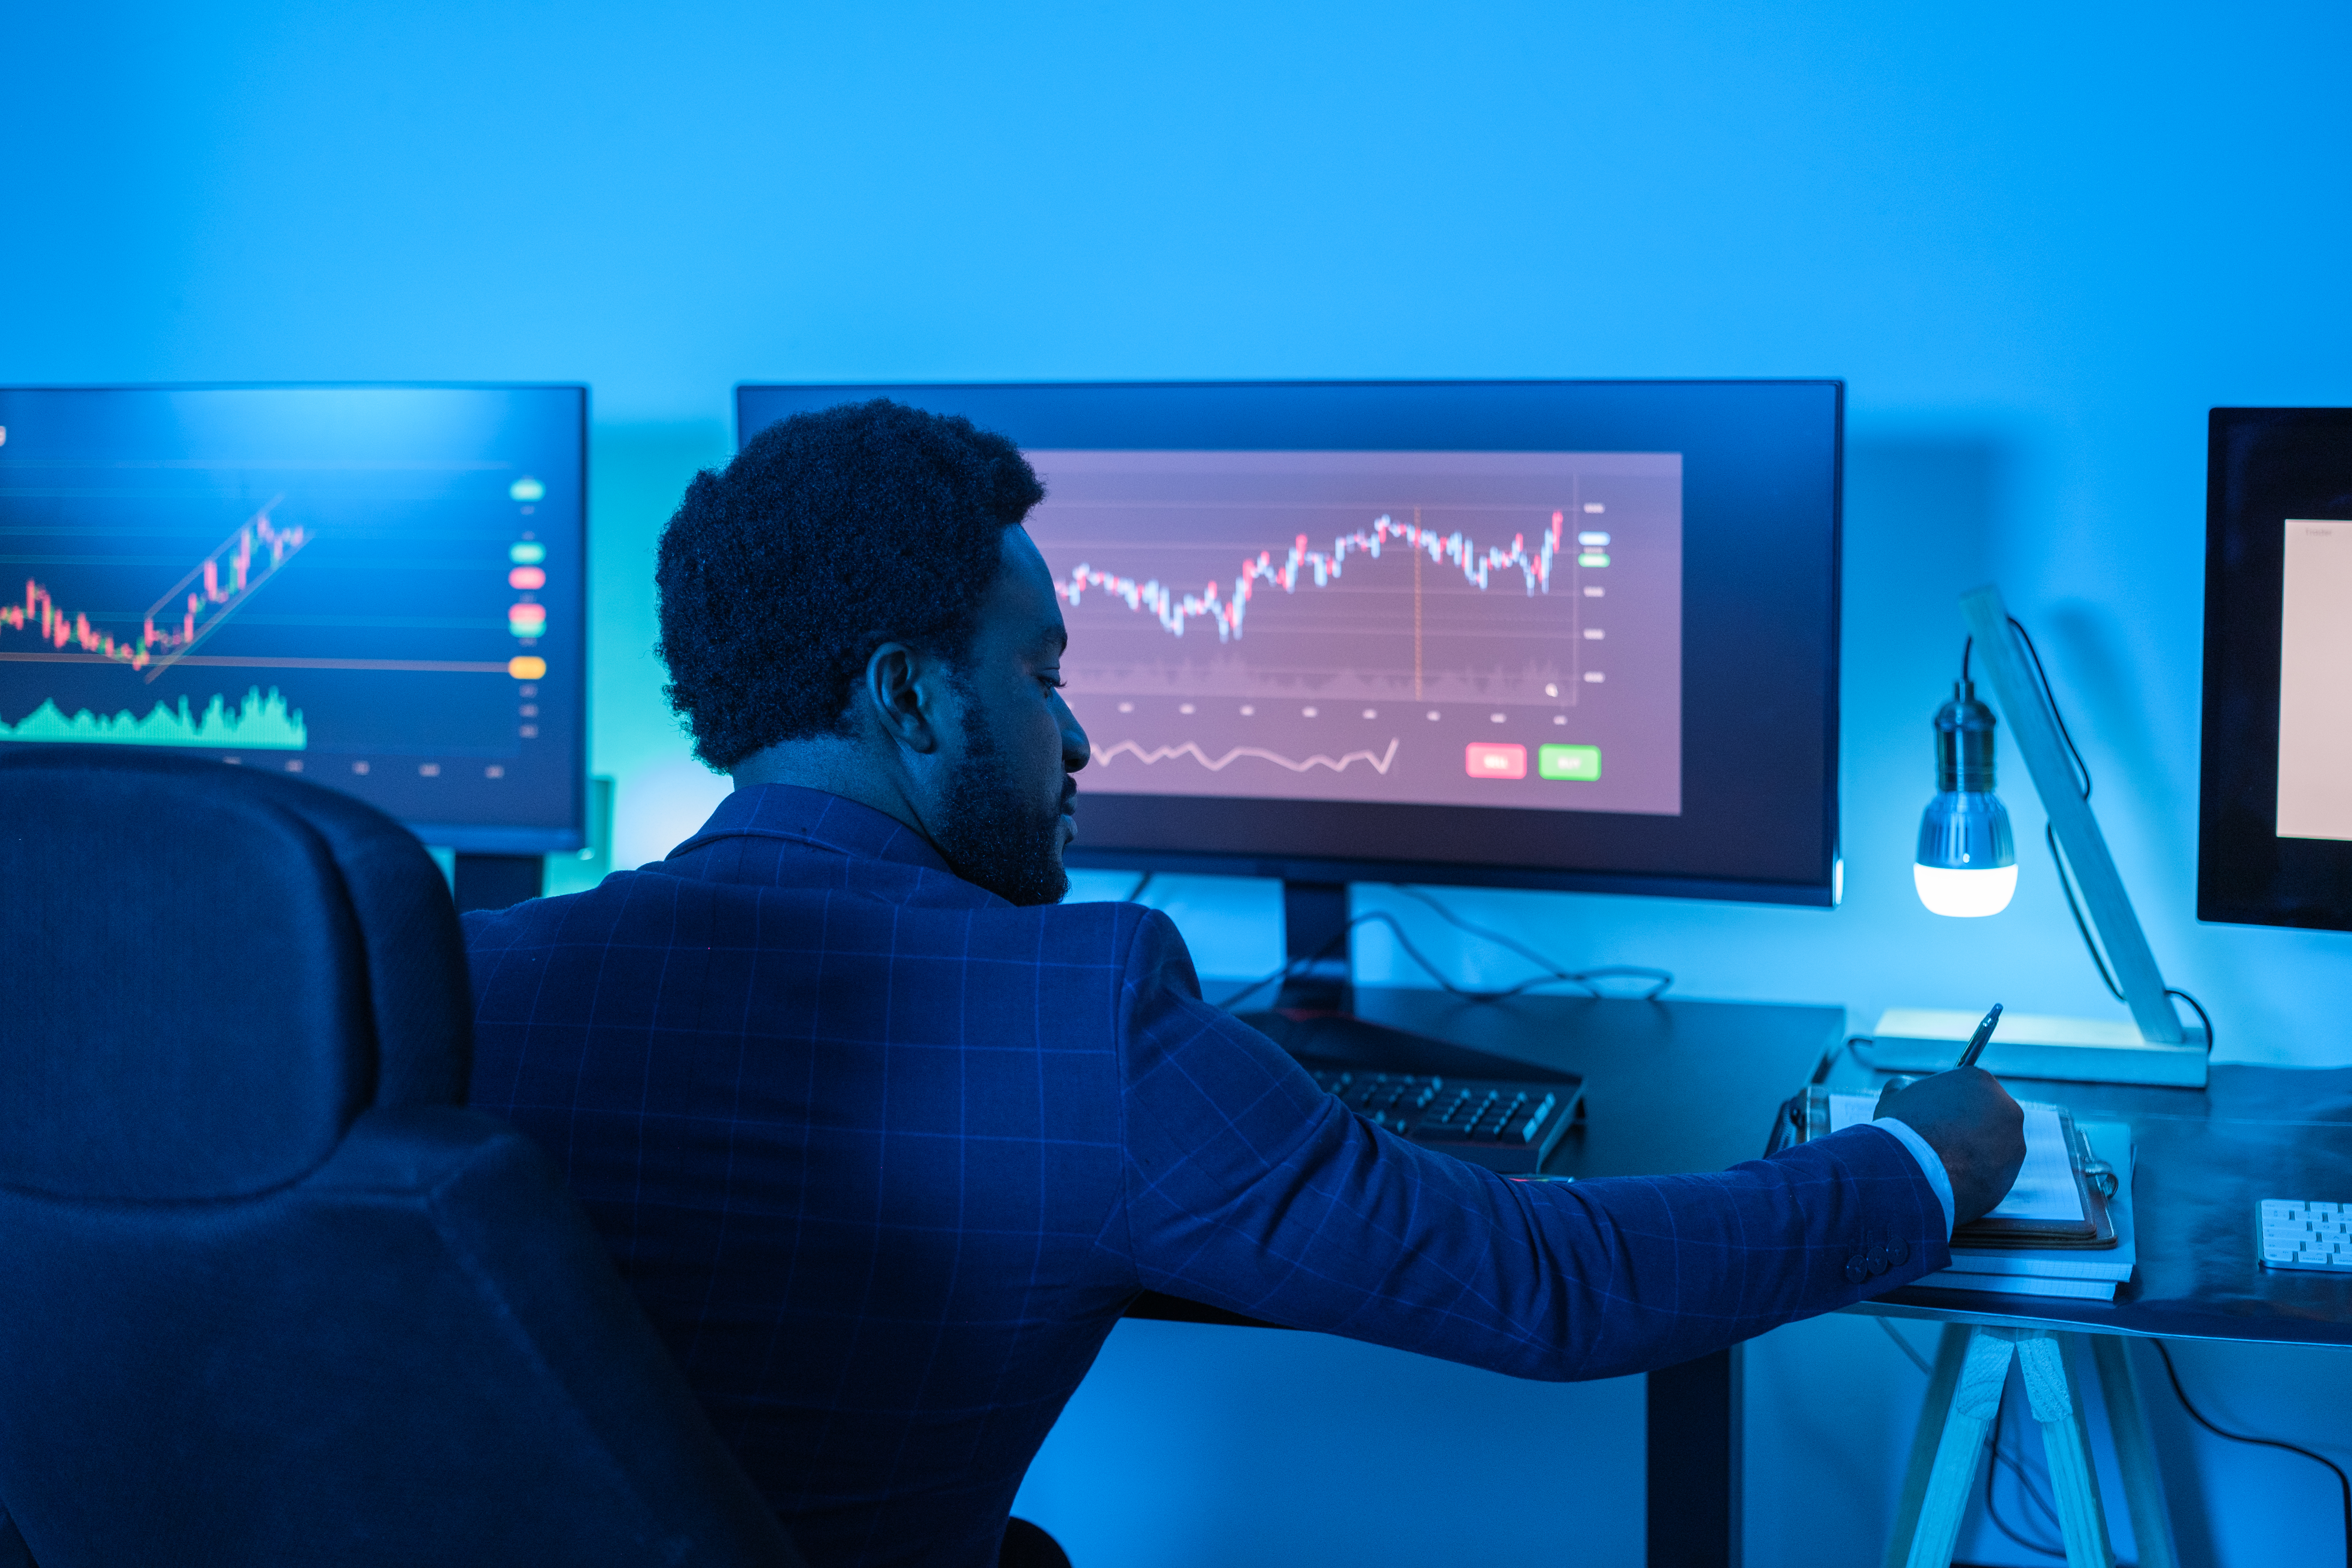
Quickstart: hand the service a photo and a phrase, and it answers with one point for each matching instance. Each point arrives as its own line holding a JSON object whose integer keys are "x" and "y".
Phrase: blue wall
{"x": 2038, "y": 242}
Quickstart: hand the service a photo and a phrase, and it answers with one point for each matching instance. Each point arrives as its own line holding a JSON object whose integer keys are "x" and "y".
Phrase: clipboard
{"x": 1806, "y": 1115}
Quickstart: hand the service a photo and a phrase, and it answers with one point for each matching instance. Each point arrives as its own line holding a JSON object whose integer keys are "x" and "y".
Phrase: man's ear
{"x": 904, "y": 692}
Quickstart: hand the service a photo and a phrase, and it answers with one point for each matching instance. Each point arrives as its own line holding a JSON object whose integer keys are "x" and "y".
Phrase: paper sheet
{"x": 2045, "y": 1188}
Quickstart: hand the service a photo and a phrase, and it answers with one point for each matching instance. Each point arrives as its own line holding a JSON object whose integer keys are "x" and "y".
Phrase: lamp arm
{"x": 2035, "y": 729}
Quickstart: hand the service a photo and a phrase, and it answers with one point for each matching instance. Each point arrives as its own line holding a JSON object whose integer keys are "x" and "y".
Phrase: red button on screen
{"x": 1487, "y": 760}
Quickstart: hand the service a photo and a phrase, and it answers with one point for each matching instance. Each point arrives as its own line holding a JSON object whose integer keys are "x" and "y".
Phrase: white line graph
{"x": 1381, "y": 761}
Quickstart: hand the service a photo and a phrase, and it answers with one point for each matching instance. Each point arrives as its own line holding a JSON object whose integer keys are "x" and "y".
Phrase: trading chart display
{"x": 375, "y": 589}
{"x": 1432, "y": 629}
{"x": 1555, "y": 634}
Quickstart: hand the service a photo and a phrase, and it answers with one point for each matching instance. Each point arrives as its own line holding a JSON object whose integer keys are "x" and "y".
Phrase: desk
{"x": 2206, "y": 1157}
{"x": 1669, "y": 1086}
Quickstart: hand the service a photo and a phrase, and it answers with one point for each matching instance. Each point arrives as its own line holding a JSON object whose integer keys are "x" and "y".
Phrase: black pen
{"x": 1977, "y": 1041}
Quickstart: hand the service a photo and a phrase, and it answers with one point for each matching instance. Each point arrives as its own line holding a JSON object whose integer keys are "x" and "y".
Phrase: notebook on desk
{"x": 2054, "y": 1206}
{"x": 2085, "y": 1275}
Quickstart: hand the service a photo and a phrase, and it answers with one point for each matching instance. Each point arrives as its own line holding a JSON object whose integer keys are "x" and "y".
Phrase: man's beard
{"x": 991, "y": 837}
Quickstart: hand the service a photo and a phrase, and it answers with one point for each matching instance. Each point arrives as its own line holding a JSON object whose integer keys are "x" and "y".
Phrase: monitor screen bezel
{"x": 491, "y": 838}
{"x": 1156, "y": 832}
{"x": 2247, "y": 874}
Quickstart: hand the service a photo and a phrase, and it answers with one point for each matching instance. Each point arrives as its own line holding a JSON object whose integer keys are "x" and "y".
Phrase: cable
{"x": 2202, "y": 1016}
{"x": 2052, "y": 698}
{"x": 1140, "y": 883}
{"x": 1905, "y": 1346}
{"x": 1551, "y": 976}
{"x": 2066, "y": 885}
{"x": 2342, "y": 1485}
{"x": 2049, "y": 829}
{"x": 2099, "y": 963}
{"x": 1497, "y": 938}
{"x": 2050, "y": 835}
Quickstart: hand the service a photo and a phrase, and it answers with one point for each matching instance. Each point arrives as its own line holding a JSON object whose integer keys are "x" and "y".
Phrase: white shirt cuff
{"x": 1931, "y": 1164}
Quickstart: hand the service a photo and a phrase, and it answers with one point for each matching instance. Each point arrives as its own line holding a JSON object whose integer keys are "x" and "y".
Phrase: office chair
{"x": 269, "y": 1294}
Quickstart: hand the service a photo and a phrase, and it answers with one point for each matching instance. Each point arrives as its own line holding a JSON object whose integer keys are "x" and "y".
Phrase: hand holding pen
{"x": 1971, "y": 1122}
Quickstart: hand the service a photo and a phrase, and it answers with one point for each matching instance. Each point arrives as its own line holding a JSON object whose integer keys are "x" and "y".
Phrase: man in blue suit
{"x": 885, "y": 1137}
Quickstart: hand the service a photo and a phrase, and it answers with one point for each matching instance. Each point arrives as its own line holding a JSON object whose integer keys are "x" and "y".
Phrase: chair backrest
{"x": 269, "y": 1294}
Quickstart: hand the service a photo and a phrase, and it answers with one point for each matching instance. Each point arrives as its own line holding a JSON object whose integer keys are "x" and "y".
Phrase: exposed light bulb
{"x": 1967, "y": 864}
{"x": 1965, "y": 894}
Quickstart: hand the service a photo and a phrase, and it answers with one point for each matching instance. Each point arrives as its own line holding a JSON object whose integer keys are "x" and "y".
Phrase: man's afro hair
{"x": 831, "y": 533}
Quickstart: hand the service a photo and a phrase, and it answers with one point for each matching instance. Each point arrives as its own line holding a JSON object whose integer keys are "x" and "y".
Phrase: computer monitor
{"x": 377, "y": 588}
{"x": 2275, "y": 800}
{"x": 1565, "y": 635}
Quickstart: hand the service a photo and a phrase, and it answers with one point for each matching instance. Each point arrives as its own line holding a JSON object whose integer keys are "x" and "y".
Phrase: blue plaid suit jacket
{"x": 885, "y": 1157}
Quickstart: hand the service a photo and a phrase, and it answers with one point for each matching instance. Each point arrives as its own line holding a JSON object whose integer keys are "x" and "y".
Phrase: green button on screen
{"x": 1568, "y": 762}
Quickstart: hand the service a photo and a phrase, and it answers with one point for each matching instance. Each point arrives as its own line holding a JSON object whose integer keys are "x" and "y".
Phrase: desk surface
{"x": 1669, "y": 1086}
{"x": 2204, "y": 1159}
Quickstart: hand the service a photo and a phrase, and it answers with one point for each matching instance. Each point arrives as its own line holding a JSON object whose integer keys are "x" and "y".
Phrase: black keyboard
{"x": 1501, "y": 1123}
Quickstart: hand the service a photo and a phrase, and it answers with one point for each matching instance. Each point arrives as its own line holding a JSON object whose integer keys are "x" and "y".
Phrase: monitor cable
{"x": 1660, "y": 980}
{"x": 2342, "y": 1485}
{"x": 2050, "y": 833}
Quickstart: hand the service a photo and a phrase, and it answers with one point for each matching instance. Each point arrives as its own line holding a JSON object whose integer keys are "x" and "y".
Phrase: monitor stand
{"x": 1313, "y": 1018}
{"x": 1315, "y": 922}
{"x": 496, "y": 881}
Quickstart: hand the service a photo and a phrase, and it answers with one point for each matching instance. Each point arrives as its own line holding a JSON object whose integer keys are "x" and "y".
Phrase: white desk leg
{"x": 1951, "y": 1351}
{"x": 2057, "y": 1404}
{"x": 1975, "y": 1401}
{"x": 2135, "y": 1453}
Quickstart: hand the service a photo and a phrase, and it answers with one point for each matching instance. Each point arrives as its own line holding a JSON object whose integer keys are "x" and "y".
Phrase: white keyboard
{"x": 2299, "y": 1234}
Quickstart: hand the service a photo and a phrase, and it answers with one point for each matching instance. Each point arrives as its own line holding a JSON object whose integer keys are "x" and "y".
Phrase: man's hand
{"x": 1975, "y": 1128}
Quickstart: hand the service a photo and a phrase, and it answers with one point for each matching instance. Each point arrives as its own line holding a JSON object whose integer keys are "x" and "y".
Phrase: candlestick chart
{"x": 212, "y": 591}
{"x": 1174, "y": 609}
{"x": 1369, "y": 625}
{"x": 378, "y": 589}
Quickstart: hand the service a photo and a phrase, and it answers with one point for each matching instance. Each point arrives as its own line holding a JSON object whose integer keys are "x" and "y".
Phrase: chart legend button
{"x": 1568, "y": 762}
{"x": 1491, "y": 760}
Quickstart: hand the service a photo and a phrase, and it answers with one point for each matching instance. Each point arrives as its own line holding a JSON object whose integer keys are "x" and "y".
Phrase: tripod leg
{"x": 1975, "y": 1401}
{"x": 2057, "y": 1404}
{"x": 2135, "y": 1453}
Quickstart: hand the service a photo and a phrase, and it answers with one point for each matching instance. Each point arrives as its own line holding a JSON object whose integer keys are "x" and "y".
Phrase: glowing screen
{"x": 375, "y": 589}
{"x": 1433, "y": 628}
{"x": 2314, "y": 758}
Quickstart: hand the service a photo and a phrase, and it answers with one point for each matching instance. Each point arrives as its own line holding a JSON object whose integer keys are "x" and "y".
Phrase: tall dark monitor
{"x": 378, "y": 588}
{"x": 2274, "y": 809}
{"x": 1573, "y": 635}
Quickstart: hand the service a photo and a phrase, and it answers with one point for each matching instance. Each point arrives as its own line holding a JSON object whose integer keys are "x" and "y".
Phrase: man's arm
{"x": 1251, "y": 1189}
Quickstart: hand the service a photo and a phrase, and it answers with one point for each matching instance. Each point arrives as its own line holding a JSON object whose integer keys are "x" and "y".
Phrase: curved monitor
{"x": 1573, "y": 635}
{"x": 2274, "y": 809}
{"x": 376, "y": 588}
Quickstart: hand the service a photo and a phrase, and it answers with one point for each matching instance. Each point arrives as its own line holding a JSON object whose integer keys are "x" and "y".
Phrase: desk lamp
{"x": 1968, "y": 867}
